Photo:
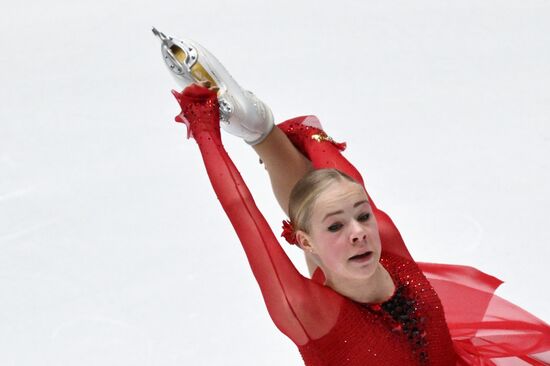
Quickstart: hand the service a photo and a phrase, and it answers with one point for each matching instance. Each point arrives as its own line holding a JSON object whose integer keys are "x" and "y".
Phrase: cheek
{"x": 375, "y": 238}
{"x": 332, "y": 247}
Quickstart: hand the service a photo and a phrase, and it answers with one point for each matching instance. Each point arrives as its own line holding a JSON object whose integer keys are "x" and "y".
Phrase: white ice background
{"x": 113, "y": 247}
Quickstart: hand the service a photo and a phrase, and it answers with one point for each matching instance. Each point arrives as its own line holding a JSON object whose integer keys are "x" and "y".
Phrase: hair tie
{"x": 288, "y": 232}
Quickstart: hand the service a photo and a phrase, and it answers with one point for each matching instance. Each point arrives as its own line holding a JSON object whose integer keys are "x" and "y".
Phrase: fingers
{"x": 200, "y": 89}
{"x": 208, "y": 84}
{"x": 205, "y": 83}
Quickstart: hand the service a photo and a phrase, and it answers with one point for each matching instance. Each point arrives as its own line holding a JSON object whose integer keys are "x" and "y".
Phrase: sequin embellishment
{"x": 400, "y": 312}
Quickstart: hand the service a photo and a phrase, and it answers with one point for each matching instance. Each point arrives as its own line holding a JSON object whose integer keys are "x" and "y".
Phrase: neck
{"x": 376, "y": 289}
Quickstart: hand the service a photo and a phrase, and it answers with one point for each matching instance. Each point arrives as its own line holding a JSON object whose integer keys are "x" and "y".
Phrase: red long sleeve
{"x": 291, "y": 299}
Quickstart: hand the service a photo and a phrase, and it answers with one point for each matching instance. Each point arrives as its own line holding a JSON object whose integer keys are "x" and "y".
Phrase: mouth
{"x": 363, "y": 257}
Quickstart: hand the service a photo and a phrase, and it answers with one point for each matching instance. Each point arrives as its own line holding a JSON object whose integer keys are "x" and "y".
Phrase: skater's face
{"x": 343, "y": 236}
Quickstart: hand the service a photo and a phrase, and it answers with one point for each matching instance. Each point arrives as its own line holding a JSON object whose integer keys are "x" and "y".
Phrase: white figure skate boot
{"x": 241, "y": 112}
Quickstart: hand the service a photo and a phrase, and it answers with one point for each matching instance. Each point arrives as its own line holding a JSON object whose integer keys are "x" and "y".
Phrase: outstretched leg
{"x": 285, "y": 164}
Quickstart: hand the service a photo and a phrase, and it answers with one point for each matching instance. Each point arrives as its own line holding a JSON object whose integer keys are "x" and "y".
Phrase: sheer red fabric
{"x": 466, "y": 324}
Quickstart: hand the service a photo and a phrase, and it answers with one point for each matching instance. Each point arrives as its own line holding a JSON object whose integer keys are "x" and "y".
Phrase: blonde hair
{"x": 305, "y": 193}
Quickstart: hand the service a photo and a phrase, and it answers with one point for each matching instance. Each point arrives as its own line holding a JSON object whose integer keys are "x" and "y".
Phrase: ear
{"x": 304, "y": 241}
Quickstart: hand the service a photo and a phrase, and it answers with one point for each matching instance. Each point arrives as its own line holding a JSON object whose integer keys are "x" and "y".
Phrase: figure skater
{"x": 368, "y": 302}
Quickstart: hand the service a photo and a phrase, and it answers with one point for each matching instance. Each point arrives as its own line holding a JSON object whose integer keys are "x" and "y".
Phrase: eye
{"x": 364, "y": 217}
{"x": 335, "y": 227}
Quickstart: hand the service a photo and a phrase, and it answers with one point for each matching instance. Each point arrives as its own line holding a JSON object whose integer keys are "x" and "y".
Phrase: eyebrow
{"x": 359, "y": 203}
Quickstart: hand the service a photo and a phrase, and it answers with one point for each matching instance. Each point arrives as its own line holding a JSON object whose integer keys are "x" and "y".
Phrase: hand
{"x": 199, "y": 108}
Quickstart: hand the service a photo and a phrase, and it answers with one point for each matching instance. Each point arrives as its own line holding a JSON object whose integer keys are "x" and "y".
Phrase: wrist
{"x": 200, "y": 111}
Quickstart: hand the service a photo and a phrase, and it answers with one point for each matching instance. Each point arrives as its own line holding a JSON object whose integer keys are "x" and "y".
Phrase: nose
{"x": 358, "y": 238}
{"x": 358, "y": 233}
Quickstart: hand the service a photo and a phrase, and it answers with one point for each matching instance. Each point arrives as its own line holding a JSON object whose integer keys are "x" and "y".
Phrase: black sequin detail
{"x": 402, "y": 312}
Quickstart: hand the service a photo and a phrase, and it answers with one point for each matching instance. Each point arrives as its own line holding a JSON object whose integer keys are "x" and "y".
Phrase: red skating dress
{"x": 439, "y": 314}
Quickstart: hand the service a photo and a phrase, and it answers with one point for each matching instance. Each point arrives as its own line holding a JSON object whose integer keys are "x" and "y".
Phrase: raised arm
{"x": 291, "y": 299}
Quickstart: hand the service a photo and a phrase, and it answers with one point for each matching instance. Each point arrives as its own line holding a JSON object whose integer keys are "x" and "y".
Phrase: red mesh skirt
{"x": 486, "y": 329}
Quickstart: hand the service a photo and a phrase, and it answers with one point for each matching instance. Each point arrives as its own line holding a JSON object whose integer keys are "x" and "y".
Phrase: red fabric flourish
{"x": 200, "y": 105}
{"x": 288, "y": 232}
{"x": 340, "y": 145}
{"x": 486, "y": 329}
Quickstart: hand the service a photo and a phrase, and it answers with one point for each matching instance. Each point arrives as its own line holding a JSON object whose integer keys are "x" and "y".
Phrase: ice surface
{"x": 113, "y": 248}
